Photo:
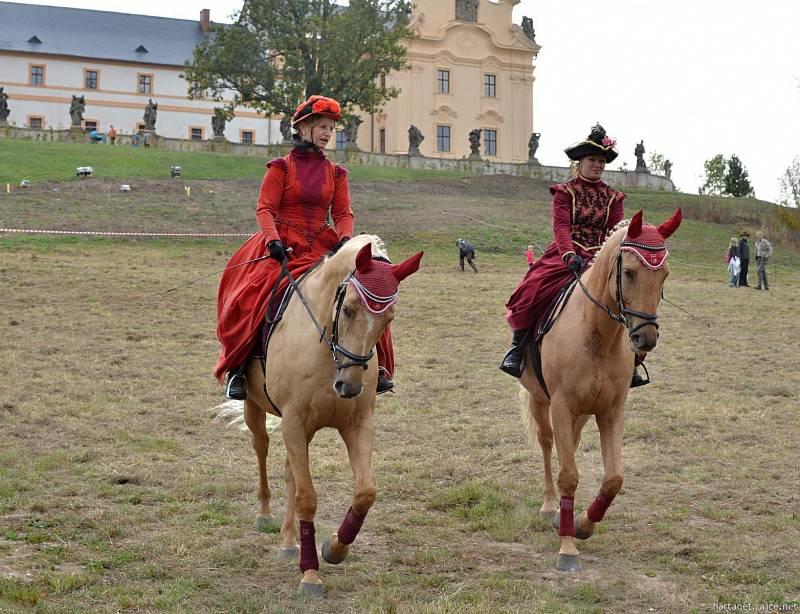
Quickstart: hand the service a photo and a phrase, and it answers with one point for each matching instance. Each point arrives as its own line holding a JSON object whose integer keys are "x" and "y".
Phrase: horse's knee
{"x": 363, "y": 499}
{"x": 305, "y": 500}
{"x": 567, "y": 482}
{"x": 612, "y": 485}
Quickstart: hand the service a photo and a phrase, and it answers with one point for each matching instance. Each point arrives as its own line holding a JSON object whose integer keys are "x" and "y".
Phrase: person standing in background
{"x": 763, "y": 254}
{"x": 744, "y": 257}
{"x": 112, "y": 135}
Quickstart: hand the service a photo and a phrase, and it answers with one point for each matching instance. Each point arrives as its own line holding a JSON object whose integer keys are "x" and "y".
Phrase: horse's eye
{"x": 628, "y": 273}
{"x": 348, "y": 313}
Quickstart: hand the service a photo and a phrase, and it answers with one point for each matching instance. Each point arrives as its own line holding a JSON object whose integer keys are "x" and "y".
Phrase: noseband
{"x": 650, "y": 319}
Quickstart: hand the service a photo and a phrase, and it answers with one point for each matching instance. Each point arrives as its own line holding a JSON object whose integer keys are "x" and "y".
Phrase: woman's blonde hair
{"x": 574, "y": 169}
{"x": 734, "y": 241}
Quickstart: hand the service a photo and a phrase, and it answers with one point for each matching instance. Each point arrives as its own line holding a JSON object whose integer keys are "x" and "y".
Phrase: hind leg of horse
{"x": 359, "y": 441}
{"x": 255, "y": 418}
{"x": 305, "y": 497}
{"x": 544, "y": 435}
{"x": 611, "y": 434}
{"x": 563, "y": 431}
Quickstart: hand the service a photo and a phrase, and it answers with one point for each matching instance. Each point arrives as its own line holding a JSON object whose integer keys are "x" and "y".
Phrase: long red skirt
{"x": 539, "y": 287}
{"x": 245, "y": 290}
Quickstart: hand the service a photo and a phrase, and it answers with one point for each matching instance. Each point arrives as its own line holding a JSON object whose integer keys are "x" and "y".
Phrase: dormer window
{"x": 142, "y": 49}
{"x": 34, "y": 40}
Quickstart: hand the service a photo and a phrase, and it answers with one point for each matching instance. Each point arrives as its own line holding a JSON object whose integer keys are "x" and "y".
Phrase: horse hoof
{"x": 267, "y": 524}
{"x": 549, "y": 516}
{"x": 311, "y": 589}
{"x": 288, "y": 553}
{"x": 328, "y": 556}
{"x": 568, "y": 562}
{"x": 579, "y": 533}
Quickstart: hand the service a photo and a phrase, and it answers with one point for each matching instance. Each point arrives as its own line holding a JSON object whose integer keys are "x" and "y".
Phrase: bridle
{"x": 650, "y": 319}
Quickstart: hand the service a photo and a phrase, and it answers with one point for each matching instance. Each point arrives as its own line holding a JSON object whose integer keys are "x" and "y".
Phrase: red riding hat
{"x": 317, "y": 105}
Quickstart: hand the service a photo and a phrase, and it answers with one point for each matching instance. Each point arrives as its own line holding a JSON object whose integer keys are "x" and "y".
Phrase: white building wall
{"x": 116, "y": 100}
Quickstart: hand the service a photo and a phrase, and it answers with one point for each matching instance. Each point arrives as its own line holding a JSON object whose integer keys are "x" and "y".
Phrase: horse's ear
{"x": 671, "y": 225}
{"x": 635, "y": 225}
{"x": 364, "y": 259}
{"x": 408, "y": 267}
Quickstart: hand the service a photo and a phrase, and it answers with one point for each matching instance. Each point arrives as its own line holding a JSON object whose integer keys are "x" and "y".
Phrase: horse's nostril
{"x": 636, "y": 339}
{"x": 338, "y": 386}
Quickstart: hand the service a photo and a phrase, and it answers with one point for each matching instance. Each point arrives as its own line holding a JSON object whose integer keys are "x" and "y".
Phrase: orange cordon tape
{"x": 126, "y": 234}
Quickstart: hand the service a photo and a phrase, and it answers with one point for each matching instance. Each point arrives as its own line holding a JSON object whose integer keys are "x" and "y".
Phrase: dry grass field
{"x": 118, "y": 493}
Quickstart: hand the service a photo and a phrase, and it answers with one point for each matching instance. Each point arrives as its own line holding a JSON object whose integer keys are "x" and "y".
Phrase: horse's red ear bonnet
{"x": 409, "y": 266}
{"x": 647, "y": 241}
{"x": 377, "y": 281}
{"x": 364, "y": 259}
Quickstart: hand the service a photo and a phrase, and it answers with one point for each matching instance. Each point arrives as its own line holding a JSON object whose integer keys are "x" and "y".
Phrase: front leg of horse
{"x": 255, "y": 418}
{"x": 611, "y": 434}
{"x": 306, "y": 507}
{"x": 289, "y": 549}
{"x": 568, "y": 555}
{"x": 359, "y": 448}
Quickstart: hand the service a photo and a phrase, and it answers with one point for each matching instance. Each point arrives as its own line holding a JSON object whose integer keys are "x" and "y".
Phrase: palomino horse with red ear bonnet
{"x": 321, "y": 371}
{"x": 586, "y": 362}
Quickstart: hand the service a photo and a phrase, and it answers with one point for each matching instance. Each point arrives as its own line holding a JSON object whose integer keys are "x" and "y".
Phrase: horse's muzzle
{"x": 644, "y": 339}
{"x": 347, "y": 391}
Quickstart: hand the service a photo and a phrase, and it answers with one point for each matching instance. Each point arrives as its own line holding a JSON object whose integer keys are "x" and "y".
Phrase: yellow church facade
{"x": 470, "y": 67}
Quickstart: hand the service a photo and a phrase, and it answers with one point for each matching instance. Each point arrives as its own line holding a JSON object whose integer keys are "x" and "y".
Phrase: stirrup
{"x": 237, "y": 387}
{"x": 637, "y": 380}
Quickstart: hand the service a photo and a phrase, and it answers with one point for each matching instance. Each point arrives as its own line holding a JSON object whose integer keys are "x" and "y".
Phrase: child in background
{"x": 530, "y": 256}
{"x": 734, "y": 264}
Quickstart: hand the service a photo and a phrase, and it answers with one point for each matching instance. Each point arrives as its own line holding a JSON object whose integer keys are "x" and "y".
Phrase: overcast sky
{"x": 692, "y": 78}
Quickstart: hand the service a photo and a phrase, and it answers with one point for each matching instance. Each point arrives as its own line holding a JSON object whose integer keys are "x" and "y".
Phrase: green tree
{"x": 279, "y": 52}
{"x": 790, "y": 185}
{"x": 656, "y": 162}
{"x": 715, "y": 176}
{"x": 737, "y": 183}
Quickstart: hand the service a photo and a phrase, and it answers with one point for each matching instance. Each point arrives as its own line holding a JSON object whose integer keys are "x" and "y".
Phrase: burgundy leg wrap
{"x": 566, "y": 525}
{"x": 308, "y": 546}
{"x": 350, "y": 527}
{"x": 598, "y": 507}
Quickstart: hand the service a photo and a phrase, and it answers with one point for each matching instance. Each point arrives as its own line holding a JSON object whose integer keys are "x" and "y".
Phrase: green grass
{"x": 41, "y": 161}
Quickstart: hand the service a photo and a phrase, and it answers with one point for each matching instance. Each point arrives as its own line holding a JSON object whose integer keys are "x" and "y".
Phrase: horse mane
{"x": 350, "y": 249}
{"x": 611, "y": 231}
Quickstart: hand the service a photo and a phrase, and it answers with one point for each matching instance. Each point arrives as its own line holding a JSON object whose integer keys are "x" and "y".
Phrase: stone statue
{"x": 527, "y": 28}
{"x": 351, "y": 132}
{"x": 467, "y": 10}
{"x": 286, "y": 129}
{"x": 475, "y": 142}
{"x": 641, "y": 167}
{"x": 415, "y": 138}
{"x": 150, "y": 113}
{"x": 533, "y": 145}
{"x": 218, "y": 121}
{"x": 667, "y": 169}
{"x": 4, "y": 111}
{"x": 76, "y": 109}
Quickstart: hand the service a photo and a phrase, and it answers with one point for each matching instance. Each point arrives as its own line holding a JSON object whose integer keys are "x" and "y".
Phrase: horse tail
{"x": 525, "y": 413}
{"x": 231, "y": 413}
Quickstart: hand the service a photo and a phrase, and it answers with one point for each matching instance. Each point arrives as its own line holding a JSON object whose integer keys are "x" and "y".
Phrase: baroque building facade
{"x": 117, "y": 62}
{"x": 470, "y": 68}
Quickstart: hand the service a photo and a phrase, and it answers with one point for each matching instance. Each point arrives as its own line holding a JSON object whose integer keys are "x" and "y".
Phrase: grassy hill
{"x": 118, "y": 491}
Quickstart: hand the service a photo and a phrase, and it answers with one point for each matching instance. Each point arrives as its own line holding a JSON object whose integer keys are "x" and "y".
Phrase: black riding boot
{"x": 513, "y": 360}
{"x": 385, "y": 383}
{"x": 237, "y": 383}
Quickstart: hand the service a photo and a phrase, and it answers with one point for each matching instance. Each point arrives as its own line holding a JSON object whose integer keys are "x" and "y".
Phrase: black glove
{"x": 277, "y": 251}
{"x": 575, "y": 264}
{"x": 338, "y": 246}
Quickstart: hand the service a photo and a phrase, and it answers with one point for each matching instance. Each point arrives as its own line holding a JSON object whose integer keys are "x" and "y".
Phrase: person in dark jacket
{"x": 466, "y": 250}
{"x": 744, "y": 258}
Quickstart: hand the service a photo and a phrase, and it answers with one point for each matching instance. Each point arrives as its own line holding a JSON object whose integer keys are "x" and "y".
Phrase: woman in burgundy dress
{"x": 296, "y": 195}
{"x": 584, "y": 210}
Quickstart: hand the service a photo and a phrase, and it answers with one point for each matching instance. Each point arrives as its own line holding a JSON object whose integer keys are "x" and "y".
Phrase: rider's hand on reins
{"x": 575, "y": 264}
{"x": 278, "y": 251}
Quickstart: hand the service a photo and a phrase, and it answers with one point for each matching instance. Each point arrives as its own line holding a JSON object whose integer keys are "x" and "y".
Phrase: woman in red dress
{"x": 297, "y": 193}
{"x": 584, "y": 210}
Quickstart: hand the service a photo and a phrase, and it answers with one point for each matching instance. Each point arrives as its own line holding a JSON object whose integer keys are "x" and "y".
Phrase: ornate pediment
{"x": 444, "y": 112}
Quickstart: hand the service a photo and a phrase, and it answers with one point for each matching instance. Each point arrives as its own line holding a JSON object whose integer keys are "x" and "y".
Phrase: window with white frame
{"x": 442, "y": 138}
{"x": 490, "y": 142}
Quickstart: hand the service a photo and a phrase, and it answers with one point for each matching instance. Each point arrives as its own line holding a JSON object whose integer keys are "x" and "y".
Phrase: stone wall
{"x": 551, "y": 174}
